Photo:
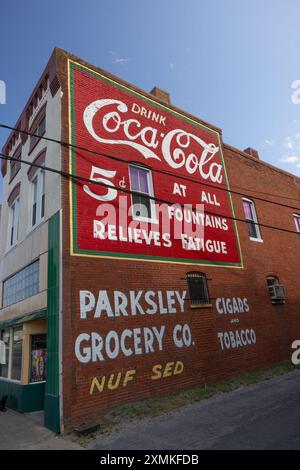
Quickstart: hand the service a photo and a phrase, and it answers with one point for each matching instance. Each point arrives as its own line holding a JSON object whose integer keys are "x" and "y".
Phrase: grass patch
{"x": 121, "y": 415}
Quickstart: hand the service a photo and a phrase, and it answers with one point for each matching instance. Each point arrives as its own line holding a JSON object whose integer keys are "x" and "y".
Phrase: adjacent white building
{"x": 31, "y": 196}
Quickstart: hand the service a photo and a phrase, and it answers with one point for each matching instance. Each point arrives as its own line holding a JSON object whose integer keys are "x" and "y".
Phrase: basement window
{"x": 198, "y": 289}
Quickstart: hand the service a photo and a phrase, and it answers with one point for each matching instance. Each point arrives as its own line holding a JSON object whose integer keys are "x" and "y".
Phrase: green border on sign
{"x": 75, "y": 250}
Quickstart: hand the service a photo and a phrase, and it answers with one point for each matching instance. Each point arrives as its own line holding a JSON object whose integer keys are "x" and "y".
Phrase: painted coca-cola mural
{"x": 158, "y": 188}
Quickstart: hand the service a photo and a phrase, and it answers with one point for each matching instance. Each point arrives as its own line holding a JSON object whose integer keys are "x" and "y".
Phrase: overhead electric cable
{"x": 127, "y": 191}
{"x": 155, "y": 170}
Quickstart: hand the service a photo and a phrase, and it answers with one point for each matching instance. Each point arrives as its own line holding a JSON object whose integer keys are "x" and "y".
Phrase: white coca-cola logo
{"x": 178, "y": 140}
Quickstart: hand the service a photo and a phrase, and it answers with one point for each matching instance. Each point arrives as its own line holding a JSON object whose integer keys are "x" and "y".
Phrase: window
{"x": 16, "y": 362}
{"x": 23, "y": 284}
{"x": 11, "y": 359}
{"x": 38, "y": 198}
{"x": 38, "y": 358}
{"x": 39, "y": 130}
{"x": 14, "y": 222}
{"x": 251, "y": 219}
{"x": 34, "y": 200}
{"x": 198, "y": 289}
{"x": 297, "y": 222}
{"x": 5, "y": 348}
{"x": 272, "y": 281}
{"x": 276, "y": 291}
{"x": 143, "y": 208}
{"x": 15, "y": 165}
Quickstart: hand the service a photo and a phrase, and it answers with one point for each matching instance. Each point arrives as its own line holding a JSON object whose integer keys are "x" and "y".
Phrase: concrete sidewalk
{"x": 26, "y": 432}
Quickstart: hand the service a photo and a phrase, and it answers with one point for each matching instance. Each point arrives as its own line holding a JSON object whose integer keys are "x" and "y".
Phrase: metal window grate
{"x": 198, "y": 289}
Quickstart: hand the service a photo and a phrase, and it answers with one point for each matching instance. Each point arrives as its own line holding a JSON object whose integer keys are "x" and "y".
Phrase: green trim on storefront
{"x": 52, "y": 405}
{"x": 23, "y": 398}
{"x": 24, "y": 318}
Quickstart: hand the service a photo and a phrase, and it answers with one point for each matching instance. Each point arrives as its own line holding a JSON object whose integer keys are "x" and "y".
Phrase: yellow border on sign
{"x": 161, "y": 105}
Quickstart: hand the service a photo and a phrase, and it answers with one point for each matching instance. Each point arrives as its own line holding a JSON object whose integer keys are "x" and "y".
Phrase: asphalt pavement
{"x": 260, "y": 416}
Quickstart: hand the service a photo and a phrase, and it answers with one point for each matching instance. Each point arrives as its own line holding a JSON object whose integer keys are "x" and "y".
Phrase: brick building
{"x": 142, "y": 273}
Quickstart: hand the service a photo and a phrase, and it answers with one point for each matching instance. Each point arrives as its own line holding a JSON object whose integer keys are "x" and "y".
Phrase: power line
{"x": 266, "y": 193}
{"x": 77, "y": 147}
{"x": 128, "y": 191}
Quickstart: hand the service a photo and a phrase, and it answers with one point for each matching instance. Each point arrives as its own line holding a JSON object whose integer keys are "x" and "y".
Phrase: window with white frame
{"x": 38, "y": 198}
{"x": 14, "y": 222}
{"x": 143, "y": 208}
{"x": 251, "y": 219}
{"x": 297, "y": 222}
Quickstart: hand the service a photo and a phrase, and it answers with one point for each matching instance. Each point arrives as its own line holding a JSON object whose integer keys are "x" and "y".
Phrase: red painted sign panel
{"x": 158, "y": 188}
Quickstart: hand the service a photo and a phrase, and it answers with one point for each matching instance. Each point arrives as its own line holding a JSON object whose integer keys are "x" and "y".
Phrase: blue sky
{"x": 229, "y": 62}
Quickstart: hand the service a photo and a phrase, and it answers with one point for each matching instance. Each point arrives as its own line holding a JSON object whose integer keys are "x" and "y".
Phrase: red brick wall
{"x": 275, "y": 325}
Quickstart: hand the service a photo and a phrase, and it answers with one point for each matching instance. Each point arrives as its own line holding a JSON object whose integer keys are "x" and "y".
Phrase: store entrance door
{"x": 38, "y": 353}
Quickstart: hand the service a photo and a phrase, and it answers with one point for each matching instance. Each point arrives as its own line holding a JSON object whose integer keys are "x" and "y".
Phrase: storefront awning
{"x": 23, "y": 319}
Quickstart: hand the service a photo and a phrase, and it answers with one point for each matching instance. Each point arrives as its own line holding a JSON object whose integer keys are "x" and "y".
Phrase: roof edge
{"x": 259, "y": 161}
